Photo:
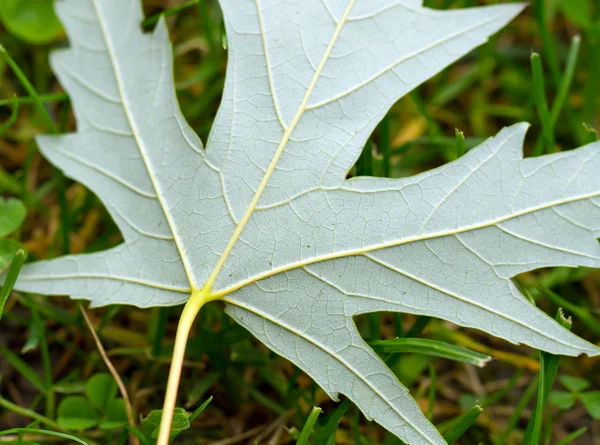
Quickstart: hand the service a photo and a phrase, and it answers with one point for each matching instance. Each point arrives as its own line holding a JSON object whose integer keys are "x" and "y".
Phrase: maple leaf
{"x": 265, "y": 219}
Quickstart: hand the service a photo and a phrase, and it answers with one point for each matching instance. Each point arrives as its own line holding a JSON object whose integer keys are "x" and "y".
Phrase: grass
{"x": 257, "y": 396}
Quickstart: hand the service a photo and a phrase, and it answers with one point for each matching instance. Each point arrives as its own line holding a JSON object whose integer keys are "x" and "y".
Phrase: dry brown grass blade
{"x": 132, "y": 438}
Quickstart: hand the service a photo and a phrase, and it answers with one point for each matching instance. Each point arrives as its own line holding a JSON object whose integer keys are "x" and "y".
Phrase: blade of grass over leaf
{"x": 431, "y": 347}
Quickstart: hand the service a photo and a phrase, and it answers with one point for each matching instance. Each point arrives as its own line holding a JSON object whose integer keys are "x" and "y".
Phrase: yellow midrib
{"x": 361, "y": 251}
{"x": 138, "y": 139}
{"x": 280, "y": 148}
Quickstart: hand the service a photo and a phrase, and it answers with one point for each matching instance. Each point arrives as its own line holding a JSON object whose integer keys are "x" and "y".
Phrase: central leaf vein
{"x": 281, "y": 147}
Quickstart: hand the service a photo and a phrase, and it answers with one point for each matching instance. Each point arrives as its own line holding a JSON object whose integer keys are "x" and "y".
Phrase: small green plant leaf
{"x": 77, "y": 413}
{"x": 150, "y": 424}
{"x": 12, "y": 213}
{"x": 265, "y": 219}
{"x": 591, "y": 401}
{"x": 8, "y": 249}
{"x": 574, "y": 384}
{"x": 115, "y": 415}
{"x": 31, "y": 20}
{"x": 101, "y": 389}
{"x": 562, "y": 399}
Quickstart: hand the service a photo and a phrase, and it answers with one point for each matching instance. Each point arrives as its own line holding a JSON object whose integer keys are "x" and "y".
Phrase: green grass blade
{"x": 571, "y": 437}
{"x": 200, "y": 409}
{"x": 45, "y": 98}
{"x": 153, "y": 19}
{"x": 23, "y": 368}
{"x": 566, "y": 80}
{"x": 29, "y": 413}
{"x": 326, "y": 434}
{"x": 518, "y": 411}
{"x": 384, "y": 145}
{"x": 12, "y": 118}
{"x": 11, "y": 278}
{"x": 430, "y": 347}
{"x": 591, "y": 134}
{"x": 364, "y": 165}
{"x": 432, "y": 389}
{"x": 582, "y": 314}
{"x": 46, "y": 362}
{"x": 539, "y": 96}
{"x": 548, "y": 369}
{"x": 541, "y": 14}
{"x": 463, "y": 424}
{"x": 65, "y": 221}
{"x": 419, "y": 326}
{"x": 29, "y": 87}
{"x": 461, "y": 144}
{"x": 534, "y": 428}
{"x": 308, "y": 426}
{"x": 200, "y": 388}
{"x": 44, "y": 433}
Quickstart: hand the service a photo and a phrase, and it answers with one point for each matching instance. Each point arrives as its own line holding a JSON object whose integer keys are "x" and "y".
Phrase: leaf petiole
{"x": 191, "y": 309}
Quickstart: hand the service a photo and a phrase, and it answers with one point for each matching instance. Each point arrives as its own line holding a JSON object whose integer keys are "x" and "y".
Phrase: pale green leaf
{"x": 265, "y": 218}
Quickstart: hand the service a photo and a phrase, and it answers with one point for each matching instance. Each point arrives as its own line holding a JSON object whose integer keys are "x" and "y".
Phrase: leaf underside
{"x": 265, "y": 213}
